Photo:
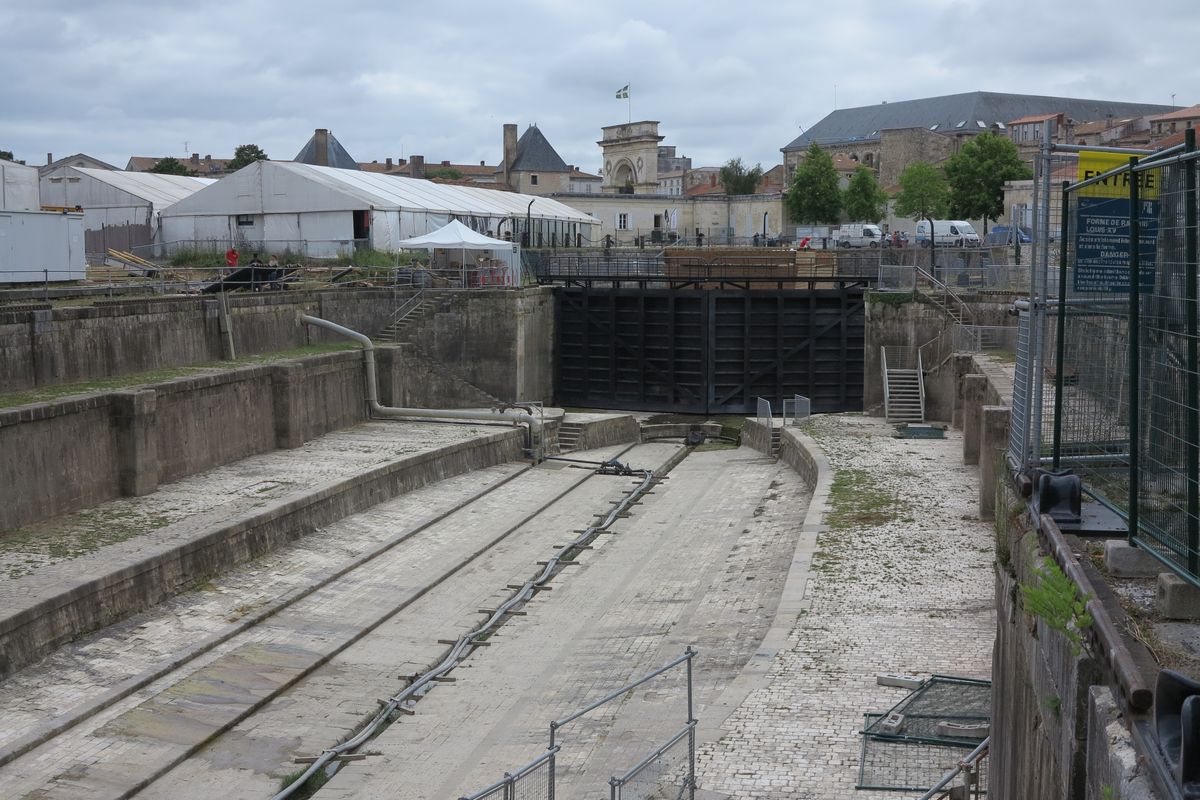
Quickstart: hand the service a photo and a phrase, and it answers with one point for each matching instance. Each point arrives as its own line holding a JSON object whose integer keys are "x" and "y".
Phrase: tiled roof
{"x": 1191, "y": 112}
{"x": 1033, "y": 118}
{"x": 947, "y": 112}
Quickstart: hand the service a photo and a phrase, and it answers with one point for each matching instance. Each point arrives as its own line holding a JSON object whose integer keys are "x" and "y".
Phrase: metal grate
{"x": 915, "y": 754}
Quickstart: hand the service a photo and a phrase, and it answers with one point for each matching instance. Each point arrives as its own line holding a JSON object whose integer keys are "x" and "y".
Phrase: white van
{"x": 858, "y": 234}
{"x": 949, "y": 233}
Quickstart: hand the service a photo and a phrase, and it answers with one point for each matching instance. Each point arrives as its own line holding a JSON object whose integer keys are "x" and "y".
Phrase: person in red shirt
{"x": 231, "y": 258}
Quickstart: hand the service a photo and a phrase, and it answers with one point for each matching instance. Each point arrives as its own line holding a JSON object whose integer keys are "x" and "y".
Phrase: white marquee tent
{"x": 278, "y": 205}
{"x": 456, "y": 236}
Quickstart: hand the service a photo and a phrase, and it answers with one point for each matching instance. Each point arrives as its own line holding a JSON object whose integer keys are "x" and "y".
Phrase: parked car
{"x": 1001, "y": 235}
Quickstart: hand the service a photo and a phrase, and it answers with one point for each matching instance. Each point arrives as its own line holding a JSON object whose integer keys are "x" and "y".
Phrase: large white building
{"x": 278, "y": 206}
{"x": 120, "y": 209}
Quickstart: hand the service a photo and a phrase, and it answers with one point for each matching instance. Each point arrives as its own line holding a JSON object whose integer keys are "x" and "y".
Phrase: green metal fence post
{"x": 1060, "y": 346}
{"x": 1193, "y": 359}
{"x": 1135, "y": 287}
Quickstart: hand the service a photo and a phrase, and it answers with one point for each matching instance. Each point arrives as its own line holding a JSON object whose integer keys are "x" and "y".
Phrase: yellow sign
{"x": 1093, "y": 163}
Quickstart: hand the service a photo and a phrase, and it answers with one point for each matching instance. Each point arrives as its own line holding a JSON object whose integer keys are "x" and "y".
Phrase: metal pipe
{"x": 494, "y": 415}
{"x": 953, "y": 773}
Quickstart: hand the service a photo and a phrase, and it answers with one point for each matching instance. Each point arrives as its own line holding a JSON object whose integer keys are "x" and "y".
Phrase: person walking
{"x": 231, "y": 258}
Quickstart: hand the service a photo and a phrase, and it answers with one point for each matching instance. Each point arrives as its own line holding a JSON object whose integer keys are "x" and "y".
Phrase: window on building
{"x": 533, "y": 180}
{"x": 622, "y": 222}
{"x": 244, "y": 220}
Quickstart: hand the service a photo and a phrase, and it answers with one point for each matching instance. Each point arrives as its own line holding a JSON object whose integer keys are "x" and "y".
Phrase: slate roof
{"x": 970, "y": 109}
{"x": 337, "y": 155}
{"x": 534, "y": 154}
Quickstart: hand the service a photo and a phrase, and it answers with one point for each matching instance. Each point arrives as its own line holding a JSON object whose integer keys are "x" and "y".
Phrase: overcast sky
{"x": 116, "y": 78}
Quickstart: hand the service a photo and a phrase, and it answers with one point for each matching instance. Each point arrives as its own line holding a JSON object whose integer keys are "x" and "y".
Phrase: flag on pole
{"x": 623, "y": 92}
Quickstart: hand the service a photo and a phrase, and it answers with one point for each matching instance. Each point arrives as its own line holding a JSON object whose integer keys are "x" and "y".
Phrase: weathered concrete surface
{"x": 415, "y": 582}
{"x": 603, "y": 429}
{"x": 65, "y": 455}
{"x": 195, "y": 529}
{"x": 630, "y": 607}
{"x": 1114, "y": 768}
{"x": 1123, "y": 560}
{"x": 993, "y": 442}
{"x": 120, "y": 337}
{"x": 500, "y": 340}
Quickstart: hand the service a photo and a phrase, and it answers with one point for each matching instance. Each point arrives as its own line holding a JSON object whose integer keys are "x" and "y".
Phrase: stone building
{"x": 934, "y": 128}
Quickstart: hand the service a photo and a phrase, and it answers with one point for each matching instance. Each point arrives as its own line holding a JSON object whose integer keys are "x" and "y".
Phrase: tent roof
{"x": 457, "y": 236}
{"x": 160, "y": 190}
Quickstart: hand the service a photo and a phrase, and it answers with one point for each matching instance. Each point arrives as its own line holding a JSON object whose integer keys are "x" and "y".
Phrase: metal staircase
{"x": 410, "y": 312}
{"x": 903, "y": 385}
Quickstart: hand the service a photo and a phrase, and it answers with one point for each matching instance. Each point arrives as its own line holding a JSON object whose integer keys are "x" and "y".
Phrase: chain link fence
{"x": 1108, "y": 362}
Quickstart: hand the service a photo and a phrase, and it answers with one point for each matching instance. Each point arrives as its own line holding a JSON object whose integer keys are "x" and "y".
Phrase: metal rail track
{"x": 460, "y": 649}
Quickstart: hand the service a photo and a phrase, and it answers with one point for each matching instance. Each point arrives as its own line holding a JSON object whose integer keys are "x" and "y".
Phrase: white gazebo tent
{"x": 456, "y": 236}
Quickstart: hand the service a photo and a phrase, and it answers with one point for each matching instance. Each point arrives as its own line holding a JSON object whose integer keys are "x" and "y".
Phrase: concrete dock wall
{"x": 71, "y": 454}
{"x": 27, "y": 633}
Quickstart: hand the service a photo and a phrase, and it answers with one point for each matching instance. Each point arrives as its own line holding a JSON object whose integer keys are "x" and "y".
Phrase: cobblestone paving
{"x": 903, "y": 584}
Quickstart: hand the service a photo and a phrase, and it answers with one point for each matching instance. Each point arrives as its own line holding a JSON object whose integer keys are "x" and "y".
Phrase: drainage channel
{"x": 462, "y": 648}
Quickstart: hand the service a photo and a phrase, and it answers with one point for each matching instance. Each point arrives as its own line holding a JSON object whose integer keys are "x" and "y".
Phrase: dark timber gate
{"x": 709, "y": 352}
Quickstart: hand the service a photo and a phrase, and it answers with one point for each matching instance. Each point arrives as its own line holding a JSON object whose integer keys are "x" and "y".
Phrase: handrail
{"x": 921, "y": 383}
{"x": 886, "y": 394}
{"x": 966, "y": 763}
{"x": 964, "y": 308}
{"x": 405, "y": 309}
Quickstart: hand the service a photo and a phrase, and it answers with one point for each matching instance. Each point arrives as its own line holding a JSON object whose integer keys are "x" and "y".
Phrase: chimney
{"x": 445, "y": 163}
{"x": 195, "y": 158}
{"x": 482, "y": 164}
{"x": 208, "y": 159}
{"x": 49, "y": 159}
{"x": 321, "y": 141}
{"x": 418, "y": 166}
{"x": 400, "y": 162}
{"x": 389, "y": 163}
{"x": 510, "y": 151}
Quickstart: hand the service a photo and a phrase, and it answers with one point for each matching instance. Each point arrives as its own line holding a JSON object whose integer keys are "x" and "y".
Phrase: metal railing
{"x": 763, "y": 413}
{"x": 969, "y": 767}
{"x": 668, "y": 772}
{"x": 529, "y": 781}
{"x": 801, "y": 409}
{"x": 665, "y": 765}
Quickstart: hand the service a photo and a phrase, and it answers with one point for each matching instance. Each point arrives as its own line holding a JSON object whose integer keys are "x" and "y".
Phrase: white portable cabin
{"x": 120, "y": 209}
{"x": 35, "y": 246}
{"x": 280, "y": 206}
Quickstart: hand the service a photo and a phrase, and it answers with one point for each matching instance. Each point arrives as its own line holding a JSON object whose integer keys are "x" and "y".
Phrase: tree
{"x": 923, "y": 192}
{"x": 737, "y": 179}
{"x": 863, "y": 199}
{"x": 245, "y": 154}
{"x": 976, "y": 175}
{"x": 814, "y": 197}
{"x": 445, "y": 173}
{"x": 170, "y": 166}
{"x": 7, "y": 155}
